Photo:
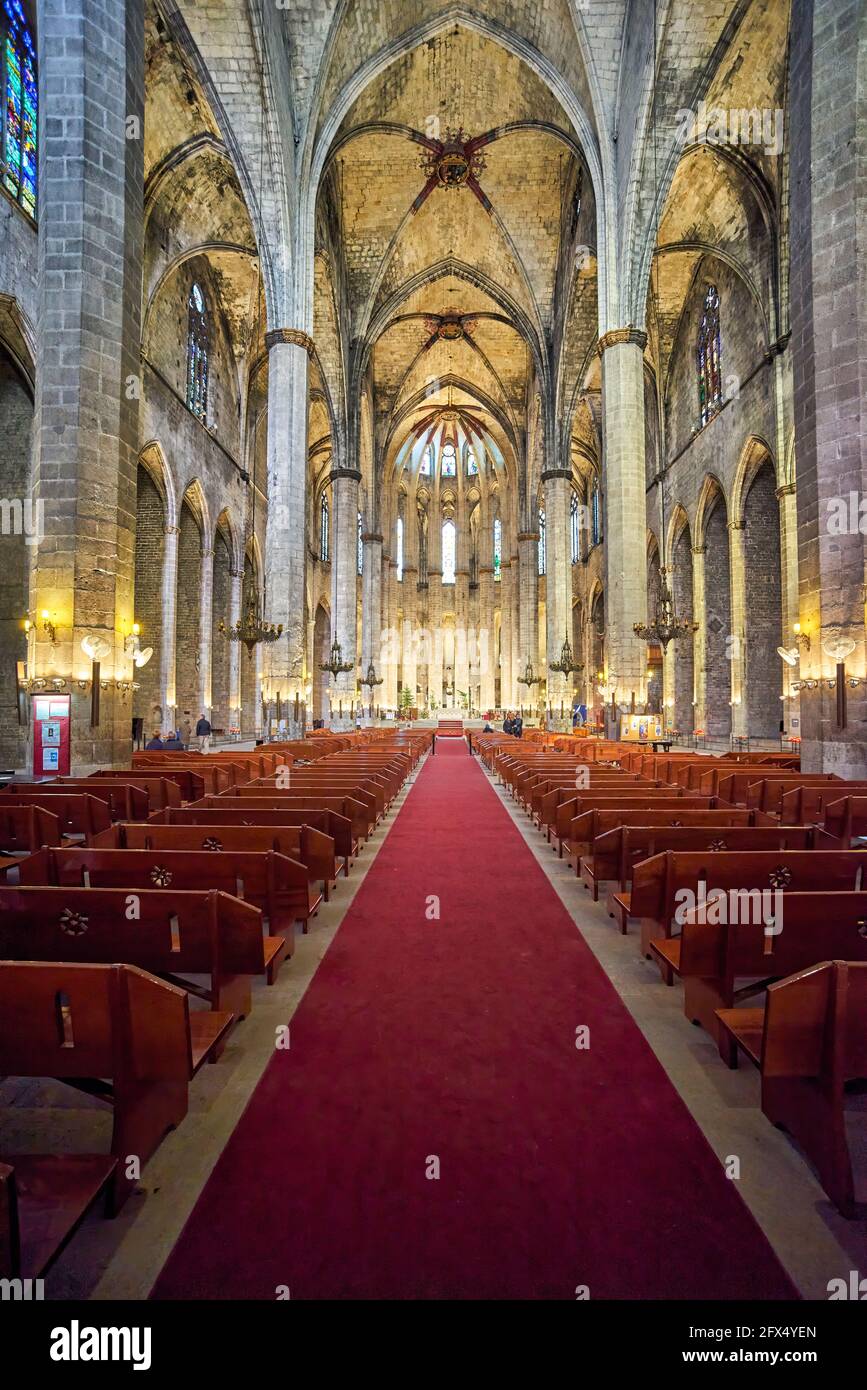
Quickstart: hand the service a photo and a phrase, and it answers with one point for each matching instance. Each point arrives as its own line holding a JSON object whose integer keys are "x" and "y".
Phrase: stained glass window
{"x": 197, "y": 355}
{"x": 575, "y": 527}
{"x": 21, "y": 106}
{"x": 594, "y": 506}
{"x": 472, "y": 466}
{"x": 426, "y": 467}
{"x": 400, "y": 547}
{"x": 323, "y": 529}
{"x": 542, "y": 557}
{"x": 448, "y": 461}
{"x": 360, "y": 557}
{"x": 708, "y": 357}
{"x": 449, "y": 541}
{"x": 498, "y": 548}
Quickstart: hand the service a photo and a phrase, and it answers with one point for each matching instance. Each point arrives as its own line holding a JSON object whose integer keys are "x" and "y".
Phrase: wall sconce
{"x": 811, "y": 684}
{"x": 853, "y": 681}
{"x": 57, "y": 682}
{"x": 802, "y": 638}
{"x": 82, "y": 684}
{"x": 40, "y": 683}
{"x": 48, "y": 626}
{"x": 103, "y": 685}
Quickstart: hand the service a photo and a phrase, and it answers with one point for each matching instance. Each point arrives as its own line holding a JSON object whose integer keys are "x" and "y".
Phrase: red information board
{"x": 51, "y": 735}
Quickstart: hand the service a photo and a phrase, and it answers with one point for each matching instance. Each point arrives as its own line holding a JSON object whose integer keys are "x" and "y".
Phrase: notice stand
{"x": 51, "y": 735}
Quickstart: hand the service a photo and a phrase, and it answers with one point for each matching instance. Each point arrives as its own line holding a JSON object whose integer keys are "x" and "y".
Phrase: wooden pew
{"x": 211, "y": 818}
{"x": 215, "y": 777}
{"x": 24, "y": 829}
{"x": 164, "y": 790}
{"x": 735, "y": 786}
{"x": 614, "y": 852}
{"x": 356, "y": 812}
{"x": 585, "y": 830}
{"x": 368, "y": 790}
{"x": 808, "y": 1042}
{"x": 710, "y": 957}
{"x": 174, "y": 934}
{"x": 126, "y": 799}
{"x": 802, "y": 804}
{"x": 90, "y": 1025}
{"x": 78, "y": 814}
{"x": 277, "y": 885}
{"x": 662, "y": 799}
{"x": 43, "y": 1201}
{"x": 847, "y": 819}
{"x": 311, "y": 847}
{"x": 656, "y": 882}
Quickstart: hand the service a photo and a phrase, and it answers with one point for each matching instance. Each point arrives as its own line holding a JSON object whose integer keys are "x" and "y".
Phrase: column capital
{"x": 787, "y": 490}
{"x": 527, "y": 536}
{"x": 373, "y": 536}
{"x": 295, "y": 336}
{"x": 486, "y": 569}
{"x": 551, "y": 473}
{"x": 337, "y": 474}
{"x": 236, "y": 574}
{"x": 172, "y": 530}
{"x": 615, "y": 336}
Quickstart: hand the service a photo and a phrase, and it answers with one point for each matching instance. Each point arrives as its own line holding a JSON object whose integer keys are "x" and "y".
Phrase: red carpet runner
{"x": 454, "y": 1040}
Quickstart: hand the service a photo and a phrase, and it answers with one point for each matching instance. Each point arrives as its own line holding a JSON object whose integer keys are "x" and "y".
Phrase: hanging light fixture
{"x": 529, "y": 678}
{"x": 665, "y": 625}
{"x": 336, "y": 665}
{"x": 371, "y": 678}
{"x": 565, "y": 664}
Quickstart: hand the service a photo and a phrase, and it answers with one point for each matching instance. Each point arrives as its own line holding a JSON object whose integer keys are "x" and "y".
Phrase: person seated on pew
{"x": 155, "y": 743}
{"x": 174, "y": 743}
{"x": 487, "y": 729}
{"x": 508, "y": 723}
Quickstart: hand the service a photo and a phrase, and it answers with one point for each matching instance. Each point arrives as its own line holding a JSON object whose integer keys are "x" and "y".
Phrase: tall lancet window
{"x": 708, "y": 357}
{"x": 542, "y": 552}
{"x": 449, "y": 552}
{"x": 324, "y": 537}
{"x": 425, "y": 467}
{"x": 596, "y": 529}
{"x": 448, "y": 461}
{"x": 575, "y": 526}
{"x": 197, "y": 355}
{"x": 472, "y": 466}
{"x": 400, "y": 548}
{"x": 360, "y": 555}
{"x": 498, "y": 549}
{"x": 20, "y": 107}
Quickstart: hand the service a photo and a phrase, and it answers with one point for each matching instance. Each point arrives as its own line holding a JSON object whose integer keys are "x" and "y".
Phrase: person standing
{"x": 203, "y": 733}
{"x": 518, "y": 726}
{"x": 507, "y": 723}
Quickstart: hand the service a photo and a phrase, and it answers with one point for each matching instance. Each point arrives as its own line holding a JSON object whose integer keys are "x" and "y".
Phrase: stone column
{"x": 506, "y": 676}
{"x": 699, "y": 660}
{"x": 528, "y": 601}
{"x": 625, "y": 528}
{"x": 462, "y": 603}
{"x": 206, "y": 606}
{"x": 828, "y": 163}
{"x": 517, "y": 691}
{"x": 739, "y": 656}
{"x": 168, "y": 693}
{"x": 371, "y": 615}
{"x": 344, "y": 580}
{"x": 409, "y": 633}
{"x": 285, "y": 541}
{"x": 86, "y": 412}
{"x": 486, "y": 634}
{"x": 558, "y": 588}
{"x": 235, "y": 648}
